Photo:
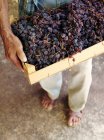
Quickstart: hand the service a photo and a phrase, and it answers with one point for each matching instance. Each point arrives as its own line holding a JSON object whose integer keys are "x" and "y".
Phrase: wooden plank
{"x": 28, "y": 68}
{"x": 66, "y": 63}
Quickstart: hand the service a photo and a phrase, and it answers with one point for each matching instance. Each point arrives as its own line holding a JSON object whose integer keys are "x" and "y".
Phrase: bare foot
{"x": 47, "y": 102}
{"x": 74, "y": 118}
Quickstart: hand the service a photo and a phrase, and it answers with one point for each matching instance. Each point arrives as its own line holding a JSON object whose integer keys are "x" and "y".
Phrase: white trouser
{"x": 78, "y": 86}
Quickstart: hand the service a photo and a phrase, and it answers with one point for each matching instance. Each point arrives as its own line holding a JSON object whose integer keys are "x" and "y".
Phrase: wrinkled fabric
{"x": 79, "y": 83}
{"x": 28, "y": 7}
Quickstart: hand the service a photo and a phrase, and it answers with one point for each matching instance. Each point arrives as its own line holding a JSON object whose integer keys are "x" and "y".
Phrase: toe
{"x": 46, "y": 105}
{"x": 70, "y": 121}
{"x": 76, "y": 121}
{"x": 50, "y": 107}
{"x": 43, "y": 102}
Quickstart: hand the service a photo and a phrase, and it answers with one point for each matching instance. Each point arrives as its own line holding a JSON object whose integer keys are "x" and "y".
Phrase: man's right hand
{"x": 13, "y": 49}
{"x": 12, "y": 45}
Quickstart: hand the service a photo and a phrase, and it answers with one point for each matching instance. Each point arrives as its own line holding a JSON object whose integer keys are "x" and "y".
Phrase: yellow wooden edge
{"x": 67, "y": 63}
{"x": 28, "y": 68}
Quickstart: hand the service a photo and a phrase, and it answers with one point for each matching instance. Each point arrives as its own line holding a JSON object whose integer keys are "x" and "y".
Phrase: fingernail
{"x": 24, "y": 59}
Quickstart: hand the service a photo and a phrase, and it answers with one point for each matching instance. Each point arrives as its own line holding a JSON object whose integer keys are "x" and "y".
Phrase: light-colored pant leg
{"x": 79, "y": 85}
{"x": 52, "y": 85}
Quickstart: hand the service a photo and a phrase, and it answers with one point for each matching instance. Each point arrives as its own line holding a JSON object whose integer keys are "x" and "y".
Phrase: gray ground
{"x": 22, "y": 117}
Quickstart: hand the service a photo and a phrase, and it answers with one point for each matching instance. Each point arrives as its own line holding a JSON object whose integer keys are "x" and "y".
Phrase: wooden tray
{"x": 35, "y": 76}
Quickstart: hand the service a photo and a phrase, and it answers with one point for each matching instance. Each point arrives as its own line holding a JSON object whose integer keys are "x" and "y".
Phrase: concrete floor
{"x": 23, "y": 118}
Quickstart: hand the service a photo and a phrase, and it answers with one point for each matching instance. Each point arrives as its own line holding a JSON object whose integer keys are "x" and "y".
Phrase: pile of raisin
{"x": 52, "y": 35}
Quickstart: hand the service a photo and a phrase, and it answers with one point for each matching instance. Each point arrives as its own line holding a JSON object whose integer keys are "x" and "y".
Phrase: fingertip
{"x": 22, "y": 57}
{"x": 22, "y": 70}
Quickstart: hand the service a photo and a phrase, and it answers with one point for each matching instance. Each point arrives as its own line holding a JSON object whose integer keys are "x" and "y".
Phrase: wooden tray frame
{"x": 67, "y": 63}
{"x": 36, "y": 76}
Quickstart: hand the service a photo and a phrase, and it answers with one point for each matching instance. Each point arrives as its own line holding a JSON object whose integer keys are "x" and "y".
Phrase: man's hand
{"x": 12, "y": 45}
{"x": 13, "y": 49}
